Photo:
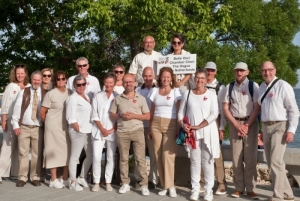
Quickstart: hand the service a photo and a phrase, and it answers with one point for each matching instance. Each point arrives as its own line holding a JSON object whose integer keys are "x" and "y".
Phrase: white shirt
{"x": 27, "y": 114}
{"x": 199, "y": 108}
{"x": 165, "y": 106}
{"x": 118, "y": 89}
{"x": 101, "y": 105}
{"x": 142, "y": 60}
{"x": 145, "y": 92}
{"x": 220, "y": 95}
{"x": 79, "y": 110}
{"x": 242, "y": 104}
{"x": 279, "y": 104}
{"x": 9, "y": 97}
{"x": 92, "y": 85}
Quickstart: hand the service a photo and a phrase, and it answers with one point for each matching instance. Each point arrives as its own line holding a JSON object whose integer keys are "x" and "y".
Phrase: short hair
{"x": 119, "y": 65}
{"x": 78, "y": 77}
{"x": 150, "y": 37}
{"x": 173, "y": 76}
{"x": 58, "y": 73}
{"x": 180, "y": 37}
{"x": 82, "y": 59}
{"x": 110, "y": 75}
{"x": 37, "y": 72}
{"x": 12, "y": 74}
{"x": 48, "y": 69}
{"x": 201, "y": 70}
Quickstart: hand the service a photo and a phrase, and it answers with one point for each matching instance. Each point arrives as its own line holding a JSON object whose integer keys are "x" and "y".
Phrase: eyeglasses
{"x": 267, "y": 70}
{"x": 121, "y": 72}
{"x": 81, "y": 85}
{"x": 47, "y": 75}
{"x": 61, "y": 79}
{"x": 82, "y": 66}
{"x": 148, "y": 42}
{"x": 175, "y": 42}
{"x": 210, "y": 70}
{"x": 20, "y": 66}
{"x": 129, "y": 82}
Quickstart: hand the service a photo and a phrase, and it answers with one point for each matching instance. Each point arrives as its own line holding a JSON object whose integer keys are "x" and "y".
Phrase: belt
{"x": 242, "y": 118}
{"x": 270, "y": 123}
{"x": 30, "y": 126}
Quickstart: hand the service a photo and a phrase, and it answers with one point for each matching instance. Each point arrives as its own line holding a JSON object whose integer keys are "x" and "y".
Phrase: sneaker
{"x": 109, "y": 187}
{"x": 124, "y": 189}
{"x": 75, "y": 187}
{"x": 96, "y": 188}
{"x": 82, "y": 182}
{"x": 252, "y": 195}
{"x": 236, "y": 194}
{"x": 66, "y": 183}
{"x": 202, "y": 190}
{"x": 220, "y": 192}
{"x": 145, "y": 190}
{"x": 208, "y": 196}
{"x": 194, "y": 195}
{"x": 163, "y": 192}
{"x": 55, "y": 184}
{"x": 172, "y": 192}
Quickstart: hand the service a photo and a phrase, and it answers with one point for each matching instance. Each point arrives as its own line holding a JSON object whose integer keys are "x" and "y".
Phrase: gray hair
{"x": 82, "y": 59}
{"x": 37, "y": 72}
{"x": 78, "y": 77}
{"x": 150, "y": 37}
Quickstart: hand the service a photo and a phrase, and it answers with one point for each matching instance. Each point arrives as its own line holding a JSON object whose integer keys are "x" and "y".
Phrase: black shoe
{"x": 151, "y": 185}
{"x": 20, "y": 183}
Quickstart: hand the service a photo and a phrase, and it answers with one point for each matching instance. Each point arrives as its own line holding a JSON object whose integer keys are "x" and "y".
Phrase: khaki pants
{"x": 274, "y": 142}
{"x": 164, "y": 132}
{"x": 138, "y": 141}
{"x": 244, "y": 157}
{"x": 35, "y": 138}
{"x": 9, "y": 159}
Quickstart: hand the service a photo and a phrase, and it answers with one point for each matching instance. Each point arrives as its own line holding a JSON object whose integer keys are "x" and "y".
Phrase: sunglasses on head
{"x": 82, "y": 66}
{"x": 46, "y": 75}
{"x": 121, "y": 72}
{"x": 61, "y": 79}
{"x": 175, "y": 42}
{"x": 81, "y": 85}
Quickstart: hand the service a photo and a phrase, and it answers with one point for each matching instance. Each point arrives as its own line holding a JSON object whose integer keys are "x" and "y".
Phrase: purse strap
{"x": 273, "y": 83}
{"x": 187, "y": 102}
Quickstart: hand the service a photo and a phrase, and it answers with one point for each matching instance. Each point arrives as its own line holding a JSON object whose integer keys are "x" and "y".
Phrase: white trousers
{"x": 98, "y": 146}
{"x": 201, "y": 158}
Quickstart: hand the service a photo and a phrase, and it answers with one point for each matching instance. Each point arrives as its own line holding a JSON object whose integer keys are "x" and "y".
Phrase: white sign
{"x": 181, "y": 64}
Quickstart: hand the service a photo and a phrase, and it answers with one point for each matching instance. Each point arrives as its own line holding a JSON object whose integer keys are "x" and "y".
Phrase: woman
{"x": 47, "y": 78}
{"x": 103, "y": 132}
{"x": 56, "y": 130}
{"x": 78, "y": 116}
{"x": 119, "y": 71}
{"x": 9, "y": 162}
{"x": 201, "y": 108}
{"x": 164, "y": 127}
{"x": 182, "y": 80}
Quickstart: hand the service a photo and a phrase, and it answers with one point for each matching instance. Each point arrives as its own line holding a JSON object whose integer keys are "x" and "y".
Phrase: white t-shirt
{"x": 165, "y": 106}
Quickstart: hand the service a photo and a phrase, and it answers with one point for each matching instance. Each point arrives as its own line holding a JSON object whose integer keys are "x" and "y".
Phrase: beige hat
{"x": 211, "y": 65}
{"x": 241, "y": 65}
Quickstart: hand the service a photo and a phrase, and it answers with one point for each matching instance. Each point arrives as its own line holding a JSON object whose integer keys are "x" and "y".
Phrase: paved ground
{"x": 9, "y": 192}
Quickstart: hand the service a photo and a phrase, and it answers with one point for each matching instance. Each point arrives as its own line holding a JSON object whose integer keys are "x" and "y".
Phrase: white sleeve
{"x": 17, "y": 110}
{"x": 153, "y": 93}
{"x": 8, "y": 97}
{"x": 95, "y": 115}
{"x": 71, "y": 109}
{"x": 134, "y": 66}
{"x": 182, "y": 107}
{"x": 214, "y": 109}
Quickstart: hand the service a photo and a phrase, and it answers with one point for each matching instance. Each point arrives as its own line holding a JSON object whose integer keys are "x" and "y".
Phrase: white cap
{"x": 241, "y": 65}
{"x": 211, "y": 65}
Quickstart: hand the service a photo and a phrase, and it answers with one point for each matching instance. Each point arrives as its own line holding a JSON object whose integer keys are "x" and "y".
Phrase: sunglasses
{"x": 45, "y": 75}
{"x": 178, "y": 43}
{"x": 121, "y": 72}
{"x": 81, "y": 85}
{"x": 61, "y": 79}
{"x": 82, "y": 66}
{"x": 20, "y": 66}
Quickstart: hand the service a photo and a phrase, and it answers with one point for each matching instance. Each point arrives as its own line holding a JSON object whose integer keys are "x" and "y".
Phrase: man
{"x": 219, "y": 89}
{"x": 130, "y": 109}
{"x": 279, "y": 116}
{"x": 241, "y": 110}
{"x": 28, "y": 126}
{"x": 144, "y": 59}
{"x": 144, "y": 90}
{"x": 92, "y": 83}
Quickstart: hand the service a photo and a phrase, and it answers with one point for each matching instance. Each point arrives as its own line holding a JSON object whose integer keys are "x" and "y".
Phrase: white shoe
{"x": 124, "y": 189}
{"x": 82, "y": 182}
{"x": 66, "y": 183}
{"x": 145, "y": 190}
{"x": 163, "y": 192}
{"x": 96, "y": 188}
{"x": 75, "y": 187}
{"x": 55, "y": 184}
{"x": 194, "y": 195}
{"x": 208, "y": 196}
{"x": 172, "y": 192}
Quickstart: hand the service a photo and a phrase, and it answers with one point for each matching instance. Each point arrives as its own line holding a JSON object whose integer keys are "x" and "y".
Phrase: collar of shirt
{"x": 148, "y": 53}
{"x": 182, "y": 52}
{"x": 88, "y": 75}
{"x": 112, "y": 95}
{"x": 270, "y": 82}
{"x": 37, "y": 90}
{"x": 143, "y": 86}
{"x": 245, "y": 82}
{"x": 86, "y": 96}
{"x": 136, "y": 95}
{"x": 213, "y": 83}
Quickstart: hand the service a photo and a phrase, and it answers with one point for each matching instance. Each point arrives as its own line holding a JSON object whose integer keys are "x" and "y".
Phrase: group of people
{"x": 62, "y": 118}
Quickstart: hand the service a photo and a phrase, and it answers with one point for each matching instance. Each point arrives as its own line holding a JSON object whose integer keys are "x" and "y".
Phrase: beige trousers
{"x": 164, "y": 133}
{"x": 35, "y": 138}
{"x": 9, "y": 161}
{"x": 274, "y": 144}
{"x": 244, "y": 157}
{"x": 138, "y": 141}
